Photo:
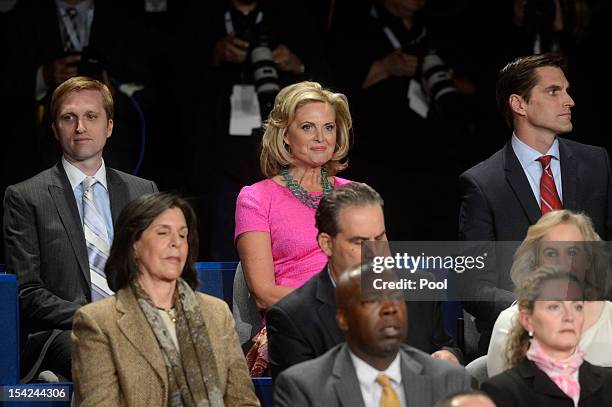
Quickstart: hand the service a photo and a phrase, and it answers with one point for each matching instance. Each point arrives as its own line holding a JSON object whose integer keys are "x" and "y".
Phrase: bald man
{"x": 466, "y": 399}
{"x": 374, "y": 366}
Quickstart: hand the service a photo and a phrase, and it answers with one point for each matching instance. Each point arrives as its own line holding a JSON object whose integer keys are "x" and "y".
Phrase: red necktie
{"x": 549, "y": 198}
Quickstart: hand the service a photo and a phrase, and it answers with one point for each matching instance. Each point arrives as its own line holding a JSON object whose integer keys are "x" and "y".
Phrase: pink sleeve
{"x": 252, "y": 210}
{"x": 339, "y": 182}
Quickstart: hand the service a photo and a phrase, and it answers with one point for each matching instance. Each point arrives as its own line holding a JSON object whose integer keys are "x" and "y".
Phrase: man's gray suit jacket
{"x": 45, "y": 247}
{"x": 330, "y": 380}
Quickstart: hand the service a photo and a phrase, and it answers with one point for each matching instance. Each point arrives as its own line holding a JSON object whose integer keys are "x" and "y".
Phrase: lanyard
{"x": 229, "y": 25}
{"x": 395, "y": 43}
{"x": 77, "y": 42}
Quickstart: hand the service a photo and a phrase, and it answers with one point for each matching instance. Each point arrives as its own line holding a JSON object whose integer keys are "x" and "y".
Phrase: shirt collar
{"x": 367, "y": 374}
{"x": 331, "y": 277}
{"x": 76, "y": 176}
{"x": 81, "y": 7}
{"x": 528, "y": 155}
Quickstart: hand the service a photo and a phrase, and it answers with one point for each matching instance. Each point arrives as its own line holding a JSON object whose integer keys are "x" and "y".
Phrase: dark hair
{"x": 518, "y": 78}
{"x": 353, "y": 194}
{"x": 137, "y": 216}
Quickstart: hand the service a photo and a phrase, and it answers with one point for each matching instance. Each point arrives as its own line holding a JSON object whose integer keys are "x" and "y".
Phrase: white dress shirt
{"x": 372, "y": 390}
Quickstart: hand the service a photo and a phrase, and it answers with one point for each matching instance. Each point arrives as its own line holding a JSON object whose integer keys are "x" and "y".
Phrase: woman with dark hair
{"x": 547, "y": 368}
{"x": 157, "y": 341}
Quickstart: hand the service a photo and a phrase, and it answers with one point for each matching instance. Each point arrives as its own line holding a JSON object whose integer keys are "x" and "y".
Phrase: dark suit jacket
{"x": 330, "y": 380}
{"x": 526, "y": 385}
{"x": 498, "y": 204}
{"x": 45, "y": 247}
{"x": 302, "y": 326}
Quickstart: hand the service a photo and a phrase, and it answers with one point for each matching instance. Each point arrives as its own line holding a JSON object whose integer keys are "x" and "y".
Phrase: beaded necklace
{"x": 312, "y": 201}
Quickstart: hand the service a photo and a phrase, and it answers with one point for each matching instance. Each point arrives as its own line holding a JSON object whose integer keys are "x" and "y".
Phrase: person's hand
{"x": 400, "y": 64}
{"x": 230, "y": 49}
{"x": 446, "y": 355}
{"x": 61, "y": 69}
{"x": 286, "y": 60}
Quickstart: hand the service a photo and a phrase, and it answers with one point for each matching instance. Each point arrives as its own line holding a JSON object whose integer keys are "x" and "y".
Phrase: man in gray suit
{"x": 373, "y": 367}
{"x": 48, "y": 221}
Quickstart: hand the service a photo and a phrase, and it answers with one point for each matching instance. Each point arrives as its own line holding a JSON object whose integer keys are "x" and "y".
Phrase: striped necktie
{"x": 389, "y": 397}
{"x": 98, "y": 245}
{"x": 549, "y": 198}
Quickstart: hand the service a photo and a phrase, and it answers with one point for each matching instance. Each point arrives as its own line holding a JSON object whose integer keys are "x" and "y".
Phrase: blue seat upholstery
{"x": 263, "y": 389}
{"x": 9, "y": 327}
{"x": 217, "y": 278}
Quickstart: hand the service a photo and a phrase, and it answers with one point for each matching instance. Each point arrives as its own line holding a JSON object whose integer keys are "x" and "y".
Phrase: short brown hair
{"x": 519, "y": 77}
{"x": 274, "y": 153}
{"x": 121, "y": 268}
{"x": 77, "y": 84}
{"x": 353, "y": 194}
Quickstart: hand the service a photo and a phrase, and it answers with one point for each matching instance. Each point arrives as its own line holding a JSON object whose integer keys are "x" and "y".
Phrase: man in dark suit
{"x": 48, "y": 223}
{"x": 535, "y": 172}
{"x": 373, "y": 367}
{"x": 303, "y": 325}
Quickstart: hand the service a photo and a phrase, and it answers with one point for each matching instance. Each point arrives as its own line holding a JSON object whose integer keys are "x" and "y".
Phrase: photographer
{"x": 252, "y": 49}
{"x": 50, "y": 41}
{"x": 392, "y": 58}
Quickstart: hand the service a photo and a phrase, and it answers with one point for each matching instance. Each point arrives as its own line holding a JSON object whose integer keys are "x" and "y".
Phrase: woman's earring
{"x": 530, "y": 334}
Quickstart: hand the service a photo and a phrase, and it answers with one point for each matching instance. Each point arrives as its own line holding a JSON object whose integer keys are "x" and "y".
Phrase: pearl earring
{"x": 531, "y": 334}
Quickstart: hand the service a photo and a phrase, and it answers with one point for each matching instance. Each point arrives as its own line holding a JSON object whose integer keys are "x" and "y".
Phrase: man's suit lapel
{"x": 520, "y": 185}
{"x": 65, "y": 203}
{"x": 416, "y": 389}
{"x": 569, "y": 176}
{"x": 118, "y": 193}
{"x": 325, "y": 294}
{"x": 346, "y": 383}
{"x": 136, "y": 329}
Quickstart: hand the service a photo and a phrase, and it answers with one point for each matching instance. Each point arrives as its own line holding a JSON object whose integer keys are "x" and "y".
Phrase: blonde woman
{"x": 560, "y": 238}
{"x": 546, "y": 365}
{"x": 304, "y": 146}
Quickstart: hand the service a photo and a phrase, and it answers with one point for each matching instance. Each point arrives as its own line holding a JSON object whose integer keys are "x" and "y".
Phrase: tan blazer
{"x": 116, "y": 359}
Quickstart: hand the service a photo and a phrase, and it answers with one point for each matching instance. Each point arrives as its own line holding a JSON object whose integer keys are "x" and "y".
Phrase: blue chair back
{"x": 217, "y": 278}
{"x": 263, "y": 389}
{"x": 9, "y": 329}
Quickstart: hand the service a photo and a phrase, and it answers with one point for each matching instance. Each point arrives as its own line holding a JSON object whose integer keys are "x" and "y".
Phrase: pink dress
{"x": 269, "y": 207}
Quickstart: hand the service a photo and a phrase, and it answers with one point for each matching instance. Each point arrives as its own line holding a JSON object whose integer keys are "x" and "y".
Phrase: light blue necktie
{"x": 98, "y": 245}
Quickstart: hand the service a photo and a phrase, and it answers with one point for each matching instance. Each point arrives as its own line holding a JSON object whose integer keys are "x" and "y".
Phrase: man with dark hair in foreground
{"x": 373, "y": 367}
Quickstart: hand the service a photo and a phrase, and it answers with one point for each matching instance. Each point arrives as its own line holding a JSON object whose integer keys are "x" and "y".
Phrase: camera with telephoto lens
{"x": 437, "y": 76}
{"x": 263, "y": 68}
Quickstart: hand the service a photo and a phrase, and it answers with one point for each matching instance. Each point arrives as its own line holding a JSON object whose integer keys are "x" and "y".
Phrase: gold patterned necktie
{"x": 389, "y": 397}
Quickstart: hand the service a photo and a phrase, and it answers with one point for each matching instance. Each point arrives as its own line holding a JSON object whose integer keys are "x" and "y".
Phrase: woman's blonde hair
{"x": 274, "y": 151}
{"x": 527, "y": 294}
{"x": 526, "y": 257}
